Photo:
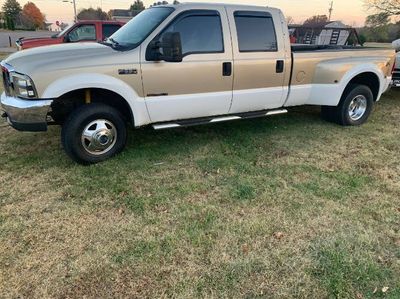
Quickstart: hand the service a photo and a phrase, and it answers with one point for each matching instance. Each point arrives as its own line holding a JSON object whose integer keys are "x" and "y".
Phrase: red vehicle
{"x": 82, "y": 31}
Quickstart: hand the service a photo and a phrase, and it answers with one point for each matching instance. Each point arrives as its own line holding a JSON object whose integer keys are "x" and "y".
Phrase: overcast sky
{"x": 350, "y": 11}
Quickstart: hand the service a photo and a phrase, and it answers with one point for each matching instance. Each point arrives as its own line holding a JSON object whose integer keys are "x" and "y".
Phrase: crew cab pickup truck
{"x": 182, "y": 65}
{"x": 83, "y": 31}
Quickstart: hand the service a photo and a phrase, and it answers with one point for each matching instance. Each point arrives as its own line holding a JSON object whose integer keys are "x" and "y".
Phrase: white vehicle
{"x": 186, "y": 64}
{"x": 396, "y": 73}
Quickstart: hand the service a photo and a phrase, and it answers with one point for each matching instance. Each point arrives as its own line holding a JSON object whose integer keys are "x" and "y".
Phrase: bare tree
{"x": 92, "y": 14}
{"x": 390, "y": 7}
{"x": 316, "y": 21}
{"x": 289, "y": 20}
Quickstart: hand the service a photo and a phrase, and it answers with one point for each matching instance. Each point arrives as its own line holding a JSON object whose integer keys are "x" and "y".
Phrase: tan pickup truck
{"x": 181, "y": 65}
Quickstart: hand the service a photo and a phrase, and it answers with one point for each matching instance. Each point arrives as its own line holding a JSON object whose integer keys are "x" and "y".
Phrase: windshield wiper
{"x": 111, "y": 43}
{"x": 115, "y": 43}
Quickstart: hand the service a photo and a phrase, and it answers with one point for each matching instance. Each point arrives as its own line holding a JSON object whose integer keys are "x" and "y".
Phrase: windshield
{"x": 64, "y": 31}
{"x": 135, "y": 32}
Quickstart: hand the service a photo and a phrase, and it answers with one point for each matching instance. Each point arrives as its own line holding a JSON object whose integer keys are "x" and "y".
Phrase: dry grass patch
{"x": 283, "y": 207}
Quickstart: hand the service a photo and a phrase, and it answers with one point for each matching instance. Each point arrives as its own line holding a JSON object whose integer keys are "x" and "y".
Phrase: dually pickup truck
{"x": 181, "y": 65}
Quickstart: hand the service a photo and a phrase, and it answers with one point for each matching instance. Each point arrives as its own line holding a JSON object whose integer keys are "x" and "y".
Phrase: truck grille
{"x": 396, "y": 74}
{"x": 6, "y": 80}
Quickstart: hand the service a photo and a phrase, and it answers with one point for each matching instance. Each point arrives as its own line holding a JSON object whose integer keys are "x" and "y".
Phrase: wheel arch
{"x": 66, "y": 103}
{"x": 122, "y": 95}
{"x": 369, "y": 79}
{"x": 366, "y": 74}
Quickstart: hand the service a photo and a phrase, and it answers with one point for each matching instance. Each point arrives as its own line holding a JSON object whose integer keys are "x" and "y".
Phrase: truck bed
{"x": 312, "y": 48}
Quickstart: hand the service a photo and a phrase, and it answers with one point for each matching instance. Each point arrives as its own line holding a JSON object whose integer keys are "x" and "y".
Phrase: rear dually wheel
{"x": 354, "y": 108}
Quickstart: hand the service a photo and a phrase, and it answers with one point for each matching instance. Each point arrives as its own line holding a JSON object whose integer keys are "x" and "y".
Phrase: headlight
{"x": 23, "y": 86}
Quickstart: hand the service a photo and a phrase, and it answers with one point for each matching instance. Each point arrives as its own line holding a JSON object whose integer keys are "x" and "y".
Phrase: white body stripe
{"x": 258, "y": 99}
{"x": 166, "y": 108}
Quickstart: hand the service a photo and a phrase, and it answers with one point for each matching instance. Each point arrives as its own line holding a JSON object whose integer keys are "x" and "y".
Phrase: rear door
{"x": 200, "y": 85}
{"x": 260, "y": 61}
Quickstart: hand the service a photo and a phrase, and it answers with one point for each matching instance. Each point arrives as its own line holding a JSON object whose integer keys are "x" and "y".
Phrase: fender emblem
{"x": 127, "y": 71}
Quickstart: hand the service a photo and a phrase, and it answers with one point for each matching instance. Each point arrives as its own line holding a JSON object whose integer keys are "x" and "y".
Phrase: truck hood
{"x": 58, "y": 57}
{"x": 35, "y": 40}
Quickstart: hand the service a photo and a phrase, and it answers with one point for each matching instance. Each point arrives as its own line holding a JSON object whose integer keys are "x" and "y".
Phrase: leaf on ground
{"x": 278, "y": 235}
{"x": 385, "y": 289}
{"x": 245, "y": 248}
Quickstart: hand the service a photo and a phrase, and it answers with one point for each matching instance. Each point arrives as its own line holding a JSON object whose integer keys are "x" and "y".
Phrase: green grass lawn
{"x": 283, "y": 207}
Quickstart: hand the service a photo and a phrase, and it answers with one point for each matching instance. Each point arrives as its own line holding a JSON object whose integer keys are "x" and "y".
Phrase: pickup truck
{"x": 183, "y": 65}
{"x": 82, "y": 31}
{"x": 396, "y": 73}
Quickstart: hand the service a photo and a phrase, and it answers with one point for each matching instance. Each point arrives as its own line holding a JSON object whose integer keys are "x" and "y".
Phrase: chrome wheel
{"x": 99, "y": 137}
{"x": 357, "y": 107}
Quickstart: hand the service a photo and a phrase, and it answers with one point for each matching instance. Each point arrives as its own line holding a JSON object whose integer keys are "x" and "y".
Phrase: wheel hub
{"x": 357, "y": 107}
{"x": 99, "y": 137}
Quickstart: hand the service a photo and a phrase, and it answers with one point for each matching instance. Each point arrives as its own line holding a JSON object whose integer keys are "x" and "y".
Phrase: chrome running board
{"x": 210, "y": 120}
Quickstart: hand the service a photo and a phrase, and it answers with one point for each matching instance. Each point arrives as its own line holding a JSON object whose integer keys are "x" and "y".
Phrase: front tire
{"x": 93, "y": 133}
{"x": 354, "y": 108}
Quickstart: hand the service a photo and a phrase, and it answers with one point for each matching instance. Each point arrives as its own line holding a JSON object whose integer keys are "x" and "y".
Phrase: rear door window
{"x": 256, "y": 32}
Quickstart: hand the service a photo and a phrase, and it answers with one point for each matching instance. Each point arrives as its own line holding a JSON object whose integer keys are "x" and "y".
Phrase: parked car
{"x": 183, "y": 65}
{"x": 396, "y": 73}
{"x": 83, "y": 31}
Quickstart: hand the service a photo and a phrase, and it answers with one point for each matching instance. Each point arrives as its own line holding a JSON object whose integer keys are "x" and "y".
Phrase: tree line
{"x": 27, "y": 17}
{"x": 383, "y": 26}
{"x": 379, "y": 27}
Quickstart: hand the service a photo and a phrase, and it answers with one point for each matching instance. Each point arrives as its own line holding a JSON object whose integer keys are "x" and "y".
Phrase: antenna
{"x": 330, "y": 11}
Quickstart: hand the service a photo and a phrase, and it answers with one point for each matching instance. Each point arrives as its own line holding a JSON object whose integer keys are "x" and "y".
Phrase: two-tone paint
{"x": 160, "y": 92}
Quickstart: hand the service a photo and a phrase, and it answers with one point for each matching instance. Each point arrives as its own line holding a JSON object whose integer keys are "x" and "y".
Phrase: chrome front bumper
{"x": 26, "y": 115}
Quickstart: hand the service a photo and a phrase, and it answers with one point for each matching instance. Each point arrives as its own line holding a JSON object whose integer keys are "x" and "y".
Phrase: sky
{"x": 352, "y": 12}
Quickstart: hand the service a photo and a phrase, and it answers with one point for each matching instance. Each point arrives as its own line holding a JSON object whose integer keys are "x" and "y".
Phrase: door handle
{"x": 227, "y": 69}
{"x": 280, "y": 66}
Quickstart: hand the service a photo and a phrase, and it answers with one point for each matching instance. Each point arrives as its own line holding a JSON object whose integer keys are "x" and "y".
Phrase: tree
{"x": 378, "y": 28}
{"x": 289, "y": 20}
{"x": 316, "y": 21}
{"x": 377, "y": 20}
{"x": 31, "y": 16}
{"x": 390, "y": 7}
{"x": 137, "y": 6}
{"x": 92, "y": 14}
{"x": 11, "y": 10}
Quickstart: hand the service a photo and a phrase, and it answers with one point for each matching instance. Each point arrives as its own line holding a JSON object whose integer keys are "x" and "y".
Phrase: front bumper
{"x": 26, "y": 115}
{"x": 396, "y": 77}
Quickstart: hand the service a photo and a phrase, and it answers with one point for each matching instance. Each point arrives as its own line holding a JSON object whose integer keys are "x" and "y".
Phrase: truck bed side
{"x": 320, "y": 76}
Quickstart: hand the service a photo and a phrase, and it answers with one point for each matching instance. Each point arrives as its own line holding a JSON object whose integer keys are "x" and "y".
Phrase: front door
{"x": 200, "y": 85}
{"x": 262, "y": 67}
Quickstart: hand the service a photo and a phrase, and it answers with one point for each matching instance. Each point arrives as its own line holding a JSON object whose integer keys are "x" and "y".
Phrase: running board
{"x": 211, "y": 120}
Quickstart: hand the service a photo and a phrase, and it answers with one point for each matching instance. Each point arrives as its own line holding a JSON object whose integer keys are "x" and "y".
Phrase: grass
{"x": 283, "y": 207}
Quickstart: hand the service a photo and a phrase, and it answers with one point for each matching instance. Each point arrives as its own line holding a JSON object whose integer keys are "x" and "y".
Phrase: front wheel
{"x": 93, "y": 133}
{"x": 354, "y": 108}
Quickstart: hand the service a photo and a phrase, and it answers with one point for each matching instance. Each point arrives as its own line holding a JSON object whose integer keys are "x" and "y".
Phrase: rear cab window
{"x": 110, "y": 29}
{"x": 256, "y": 31}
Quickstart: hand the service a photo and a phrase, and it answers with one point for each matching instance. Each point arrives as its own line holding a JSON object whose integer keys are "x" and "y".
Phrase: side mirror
{"x": 67, "y": 39}
{"x": 168, "y": 49}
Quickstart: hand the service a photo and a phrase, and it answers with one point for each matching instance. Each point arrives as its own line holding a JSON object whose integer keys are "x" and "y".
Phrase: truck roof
{"x": 192, "y": 5}
{"x": 100, "y": 22}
